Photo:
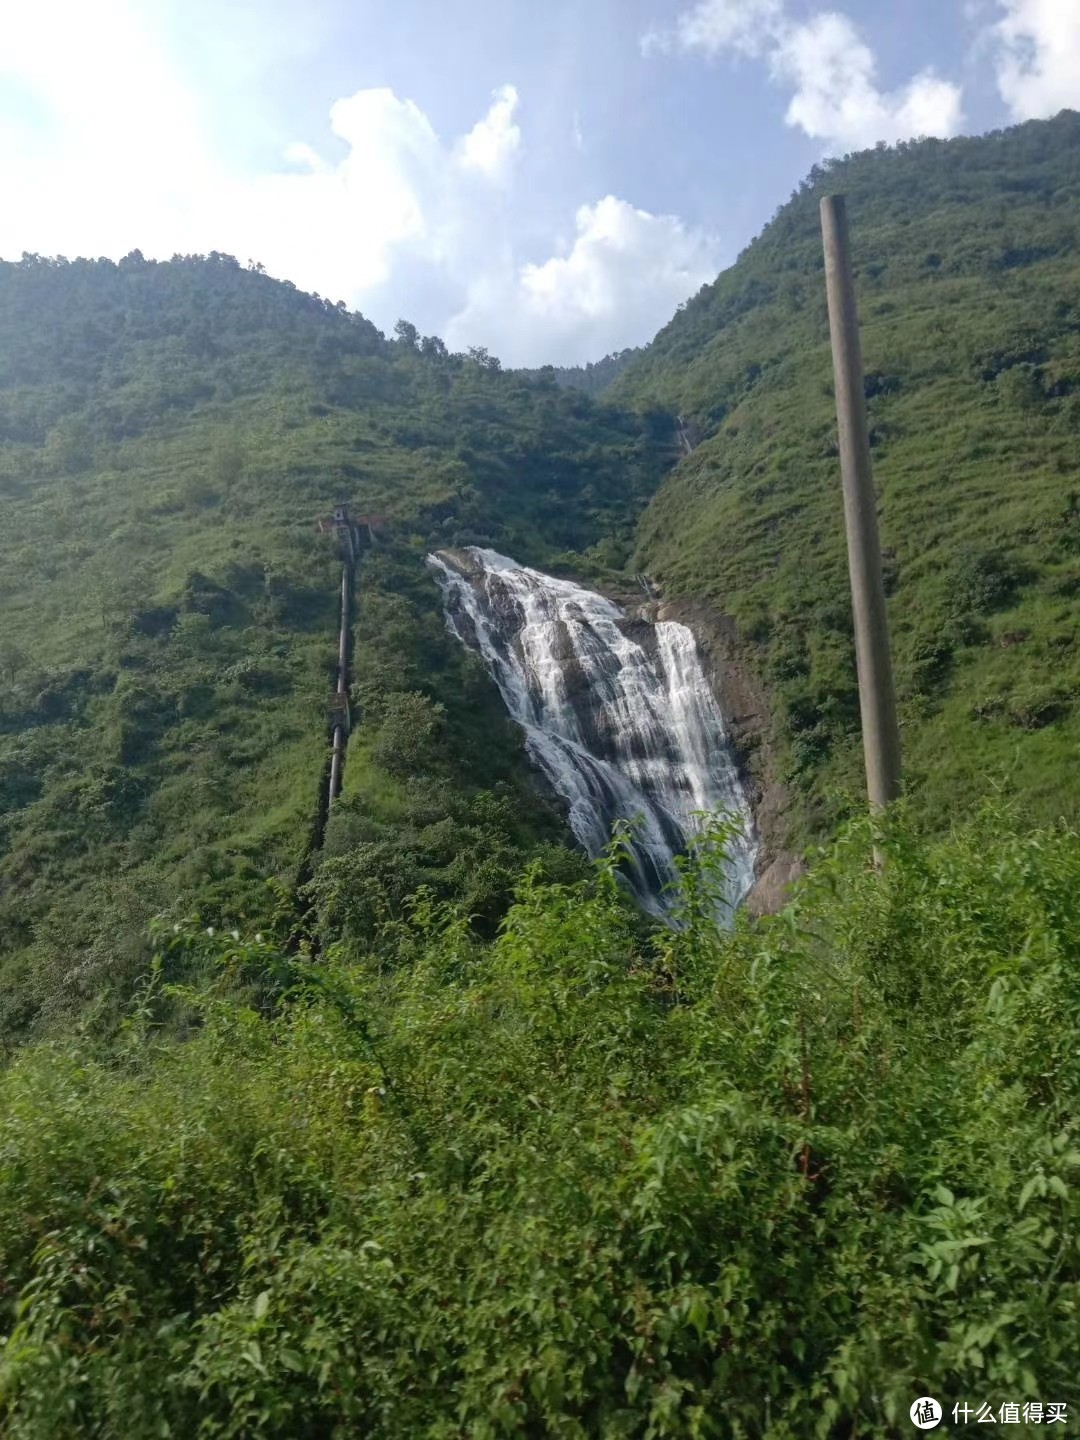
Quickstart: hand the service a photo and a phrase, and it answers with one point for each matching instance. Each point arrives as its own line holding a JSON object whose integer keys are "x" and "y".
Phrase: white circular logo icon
{"x": 925, "y": 1413}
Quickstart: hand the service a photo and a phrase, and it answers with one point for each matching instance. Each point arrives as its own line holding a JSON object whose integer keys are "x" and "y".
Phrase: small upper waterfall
{"x": 618, "y": 714}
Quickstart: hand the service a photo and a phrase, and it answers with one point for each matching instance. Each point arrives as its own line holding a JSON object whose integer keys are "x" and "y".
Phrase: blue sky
{"x": 548, "y": 178}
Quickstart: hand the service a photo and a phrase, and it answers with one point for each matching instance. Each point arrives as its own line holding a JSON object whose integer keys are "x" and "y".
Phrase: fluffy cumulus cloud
{"x": 1038, "y": 56}
{"x": 339, "y": 228}
{"x": 836, "y": 97}
{"x": 596, "y": 288}
{"x": 492, "y": 144}
{"x": 826, "y": 65}
{"x": 108, "y": 150}
{"x": 416, "y": 226}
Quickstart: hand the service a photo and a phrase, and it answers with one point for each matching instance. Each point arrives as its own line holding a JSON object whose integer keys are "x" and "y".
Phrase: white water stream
{"x": 622, "y": 730}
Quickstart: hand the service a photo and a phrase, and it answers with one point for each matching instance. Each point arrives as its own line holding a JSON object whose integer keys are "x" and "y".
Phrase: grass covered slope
{"x": 968, "y": 274}
{"x": 169, "y": 434}
{"x": 472, "y": 1151}
{"x": 777, "y": 1182}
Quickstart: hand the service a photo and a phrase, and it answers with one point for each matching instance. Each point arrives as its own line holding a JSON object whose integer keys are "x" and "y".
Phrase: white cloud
{"x": 303, "y": 156}
{"x": 122, "y": 133}
{"x": 656, "y": 42}
{"x": 620, "y": 280}
{"x": 1038, "y": 56}
{"x": 829, "y": 68}
{"x": 748, "y": 26}
{"x": 836, "y": 97}
{"x": 492, "y": 144}
{"x": 338, "y": 228}
{"x": 382, "y": 211}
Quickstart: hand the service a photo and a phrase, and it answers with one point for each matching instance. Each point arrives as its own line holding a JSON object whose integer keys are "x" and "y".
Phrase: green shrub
{"x": 572, "y": 1182}
{"x": 983, "y": 580}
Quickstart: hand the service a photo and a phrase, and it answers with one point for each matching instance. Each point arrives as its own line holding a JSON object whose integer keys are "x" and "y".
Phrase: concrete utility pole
{"x": 337, "y": 757}
{"x": 877, "y": 699}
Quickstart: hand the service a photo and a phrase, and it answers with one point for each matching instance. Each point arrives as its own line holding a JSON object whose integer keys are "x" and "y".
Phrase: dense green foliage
{"x": 169, "y": 434}
{"x": 771, "y": 1183}
{"x": 967, "y": 264}
{"x": 593, "y": 378}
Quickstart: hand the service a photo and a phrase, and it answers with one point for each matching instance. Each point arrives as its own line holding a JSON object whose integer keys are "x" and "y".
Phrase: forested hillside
{"x": 424, "y": 1130}
{"x": 593, "y": 378}
{"x": 968, "y": 273}
{"x": 169, "y": 436}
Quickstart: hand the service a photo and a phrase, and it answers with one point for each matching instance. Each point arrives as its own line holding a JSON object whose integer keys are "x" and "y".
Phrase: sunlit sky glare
{"x": 547, "y": 178}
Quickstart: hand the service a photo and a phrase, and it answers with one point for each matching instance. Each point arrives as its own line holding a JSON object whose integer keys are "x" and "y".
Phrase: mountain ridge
{"x": 966, "y": 255}
{"x": 169, "y": 435}
{"x": 428, "y": 1130}
{"x": 170, "y": 432}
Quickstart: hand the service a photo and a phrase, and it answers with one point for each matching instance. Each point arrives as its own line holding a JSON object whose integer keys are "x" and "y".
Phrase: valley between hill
{"x": 428, "y": 1130}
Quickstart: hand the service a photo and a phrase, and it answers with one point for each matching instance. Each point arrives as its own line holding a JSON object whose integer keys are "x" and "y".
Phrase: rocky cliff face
{"x": 745, "y": 706}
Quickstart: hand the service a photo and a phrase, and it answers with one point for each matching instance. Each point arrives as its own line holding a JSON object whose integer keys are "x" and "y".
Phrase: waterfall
{"x": 617, "y": 713}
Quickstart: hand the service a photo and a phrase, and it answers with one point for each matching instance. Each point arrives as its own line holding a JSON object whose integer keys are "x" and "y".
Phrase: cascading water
{"x": 618, "y": 714}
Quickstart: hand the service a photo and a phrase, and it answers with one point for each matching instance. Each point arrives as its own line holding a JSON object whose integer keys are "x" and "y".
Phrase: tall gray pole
{"x": 877, "y": 700}
{"x": 337, "y": 755}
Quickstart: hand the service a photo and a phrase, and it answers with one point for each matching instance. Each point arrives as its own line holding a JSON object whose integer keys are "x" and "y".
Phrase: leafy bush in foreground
{"x": 776, "y": 1182}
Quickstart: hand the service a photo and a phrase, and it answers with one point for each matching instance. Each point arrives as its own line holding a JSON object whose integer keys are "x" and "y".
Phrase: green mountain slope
{"x": 499, "y": 1164}
{"x": 593, "y": 378}
{"x": 968, "y": 273}
{"x": 169, "y": 435}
